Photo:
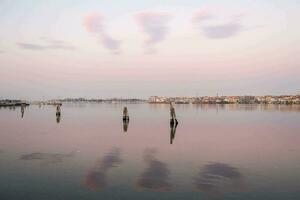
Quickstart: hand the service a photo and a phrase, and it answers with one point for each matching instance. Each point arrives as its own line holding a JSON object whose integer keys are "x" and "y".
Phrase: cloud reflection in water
{"x": 218, "y": 178}
{"x": 96, "y": 178}
{"x": 156, "y": 175}
{"x": 47, "y": 157}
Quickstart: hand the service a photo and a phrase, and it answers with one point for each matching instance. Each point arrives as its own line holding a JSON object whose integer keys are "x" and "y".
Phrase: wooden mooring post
{"x": 125, "y": 114}
{"x": 173, "y": 120}
{"x": 58, "y": 113}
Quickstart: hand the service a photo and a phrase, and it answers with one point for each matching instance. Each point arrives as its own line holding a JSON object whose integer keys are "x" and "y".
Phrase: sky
{"x": 136, "y": 49}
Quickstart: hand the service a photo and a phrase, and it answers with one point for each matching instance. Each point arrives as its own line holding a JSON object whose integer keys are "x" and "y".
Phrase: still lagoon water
{"x": 216, "y": 152}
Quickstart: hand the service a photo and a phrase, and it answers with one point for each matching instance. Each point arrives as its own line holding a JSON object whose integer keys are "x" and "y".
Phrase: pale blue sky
{"x": 133, "y": 48}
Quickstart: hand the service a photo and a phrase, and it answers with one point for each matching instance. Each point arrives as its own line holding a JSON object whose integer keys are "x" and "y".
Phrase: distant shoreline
{"x": 269, "y": 99}
{"x": 282, "y": 99}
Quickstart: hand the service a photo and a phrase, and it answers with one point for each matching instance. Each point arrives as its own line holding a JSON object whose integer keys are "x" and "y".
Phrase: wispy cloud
{"x": 47, "y": 44}
{"x": 212, "y": 26}
{"x": 31, "y": 46}
{"x": 226, "y": 30}
{"x": 201, "y": 16}
{"x": 94, "y": 23}
{"x": 155, "y": 26}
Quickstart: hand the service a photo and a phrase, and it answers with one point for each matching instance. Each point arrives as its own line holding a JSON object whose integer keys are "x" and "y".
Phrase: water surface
{"x": 216, "y": 152}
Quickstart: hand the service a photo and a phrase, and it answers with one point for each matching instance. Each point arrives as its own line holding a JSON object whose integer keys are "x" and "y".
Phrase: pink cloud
{"x": 219, "y": 30}
{"x": 202, "y": 15}
{"x": 154, "y": 25}
{"x": 223, "y": 30}
{"x": 46, "y": 44}
{"x": 94, "y": 23}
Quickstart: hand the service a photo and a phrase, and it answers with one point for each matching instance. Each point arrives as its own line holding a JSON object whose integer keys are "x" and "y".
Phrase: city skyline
{"x": 139, "y": 49}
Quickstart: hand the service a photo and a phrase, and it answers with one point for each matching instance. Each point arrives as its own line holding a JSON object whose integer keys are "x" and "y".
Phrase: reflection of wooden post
{"x": 172, "y": 132}
{"x": 125, "y": 114}
{"x": 57, "y": 118}
{"x": 22, "y": 110}
{"x": 125, "y": 125}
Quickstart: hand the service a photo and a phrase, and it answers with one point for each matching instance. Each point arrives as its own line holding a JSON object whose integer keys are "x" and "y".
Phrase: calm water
{"x": 216, "y": 152}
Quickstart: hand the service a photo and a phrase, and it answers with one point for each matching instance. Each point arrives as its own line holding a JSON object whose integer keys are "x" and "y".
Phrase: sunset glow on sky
{"x": 133, "y": 48}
